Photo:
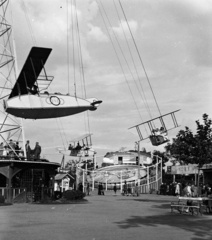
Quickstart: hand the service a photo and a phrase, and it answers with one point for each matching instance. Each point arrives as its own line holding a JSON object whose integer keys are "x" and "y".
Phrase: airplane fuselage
{"x": 47, "y": 105}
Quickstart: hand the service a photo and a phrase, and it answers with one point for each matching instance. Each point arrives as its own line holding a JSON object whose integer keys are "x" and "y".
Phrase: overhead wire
{"x": 73, "y": 45}
{"x": 116, "y": 53}
{"x": 67, "y": 22}
{"x": 140, "y": 57}
{"x": 81, "y": 69}
{"x": 28, "y": 23}
{"x": 132, "y": 58}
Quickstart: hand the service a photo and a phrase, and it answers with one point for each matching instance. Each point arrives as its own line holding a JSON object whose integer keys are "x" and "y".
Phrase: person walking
{"x": 125, "y": 188}
{"x": 88, "y": 189}
{"x": 115, "y": 188}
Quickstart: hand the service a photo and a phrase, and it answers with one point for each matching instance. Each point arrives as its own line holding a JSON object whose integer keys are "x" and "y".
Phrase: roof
{"x": 129, "y": 153}
{"x": 31, "y": 70}
{"x": 60, "y": 176}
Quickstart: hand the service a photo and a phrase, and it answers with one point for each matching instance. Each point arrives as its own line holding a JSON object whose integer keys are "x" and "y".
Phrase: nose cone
{"x": 94, "y": 102}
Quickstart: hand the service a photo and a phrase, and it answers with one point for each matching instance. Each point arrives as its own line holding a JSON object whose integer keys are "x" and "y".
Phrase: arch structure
{"x": 25, "y": 180}
{"x": 149, "y": 181}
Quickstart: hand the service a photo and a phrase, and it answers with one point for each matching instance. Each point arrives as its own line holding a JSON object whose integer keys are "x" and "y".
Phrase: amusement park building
{"x": 126, "y": 158}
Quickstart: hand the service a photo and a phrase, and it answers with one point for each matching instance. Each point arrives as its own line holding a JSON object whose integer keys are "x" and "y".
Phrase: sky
{"x": 172, "y": 40}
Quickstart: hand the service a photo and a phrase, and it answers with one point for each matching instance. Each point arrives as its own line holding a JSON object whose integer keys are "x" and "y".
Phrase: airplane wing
{"x": 85, "y": 136}
{"x": 171, "y": 113}
{"x": 31, "y": 70}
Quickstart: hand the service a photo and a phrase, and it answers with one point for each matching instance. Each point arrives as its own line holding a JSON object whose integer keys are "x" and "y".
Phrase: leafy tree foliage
{"x": 193, "y": 148}
{"x": 162, "y": 155}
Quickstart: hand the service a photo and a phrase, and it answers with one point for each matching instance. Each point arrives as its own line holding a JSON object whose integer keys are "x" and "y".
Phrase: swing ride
{"x": 27, "y": 101}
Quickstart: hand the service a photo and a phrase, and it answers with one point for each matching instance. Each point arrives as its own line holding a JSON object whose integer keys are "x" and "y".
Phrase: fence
{"x": 4, "y": 191}
{"x": 151, "y": 182}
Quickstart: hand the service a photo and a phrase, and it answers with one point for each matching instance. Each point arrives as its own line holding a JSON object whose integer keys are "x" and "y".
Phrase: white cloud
{"x": 123, "y": 30}
{"x": 96, "y": 33}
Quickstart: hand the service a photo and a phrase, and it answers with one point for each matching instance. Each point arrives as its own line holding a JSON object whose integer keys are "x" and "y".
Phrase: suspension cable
{"x": 118, "y": 57}
{"x": 67, "y": 19}
{"x": 73, "y": 50}
{"x": 144, "y": 96}
{"x": 28, "y": 23}
{"x": 140, "y": 58}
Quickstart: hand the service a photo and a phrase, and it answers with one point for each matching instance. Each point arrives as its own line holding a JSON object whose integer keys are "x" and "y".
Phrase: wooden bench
{"x": 182, "y": 207}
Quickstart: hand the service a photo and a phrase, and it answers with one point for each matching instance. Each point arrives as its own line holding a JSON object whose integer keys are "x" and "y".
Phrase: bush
{"x": 57, "y": 195}
{"x": 73, "y": 195}
{"x": 2, "y": 199}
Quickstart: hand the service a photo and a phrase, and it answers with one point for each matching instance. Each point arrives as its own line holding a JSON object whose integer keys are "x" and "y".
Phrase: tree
{"x": 193, "y": 148}
{"x": 162, "y": 155}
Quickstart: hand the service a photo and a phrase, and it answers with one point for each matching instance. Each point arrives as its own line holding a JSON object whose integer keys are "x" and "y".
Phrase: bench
{"x": 182, "y": 207}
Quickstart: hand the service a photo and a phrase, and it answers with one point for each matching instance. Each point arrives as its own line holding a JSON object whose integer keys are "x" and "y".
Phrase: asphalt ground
{"x": 109, "y": 217}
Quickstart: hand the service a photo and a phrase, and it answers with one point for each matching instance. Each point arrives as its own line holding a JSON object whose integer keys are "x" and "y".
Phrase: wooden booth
{"x": 27, "y": 181}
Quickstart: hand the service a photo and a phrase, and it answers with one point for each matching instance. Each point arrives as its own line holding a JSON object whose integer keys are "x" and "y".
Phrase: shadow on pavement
{"x": 199, "y": 226}
{"x": 163, "y": 206}
{"x": 145, "y": 200}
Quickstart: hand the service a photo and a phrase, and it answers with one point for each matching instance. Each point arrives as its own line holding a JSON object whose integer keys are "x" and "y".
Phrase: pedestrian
{"x": 136, "y": 190}
{"x": 37, "y": 151}
{"x": 99, "y": 189}
{"x": 17, "y": 150}
{"x": 5, "y": 152}
{"x": 11, "y": 148}
{"x": 194, "y": 190}
{"x": 28, "y": 151}
{"x": 102, "y": 189}
{"x": 177, "y": 189}
{"x": 115, "y": 188}
{"x": 80, "y": 187}
{"x": 88, "y": 189}
{"x": 125, "y": 188}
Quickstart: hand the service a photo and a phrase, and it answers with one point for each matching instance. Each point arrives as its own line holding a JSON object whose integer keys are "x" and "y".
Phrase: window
{"x": 120, "y": 160}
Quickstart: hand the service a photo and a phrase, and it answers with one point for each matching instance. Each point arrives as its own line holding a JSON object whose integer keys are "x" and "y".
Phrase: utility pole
{"x": 138, "y": 180}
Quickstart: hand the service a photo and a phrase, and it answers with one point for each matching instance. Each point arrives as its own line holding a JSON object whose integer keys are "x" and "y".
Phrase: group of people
{"x": 32, "y": 154}
{"x": 185, "y": 189}
{"x": 161, "y": 132}
{"x": 11, "y": 150}
{"x": 87, "y": 188}
{"x": 78, "y": 147}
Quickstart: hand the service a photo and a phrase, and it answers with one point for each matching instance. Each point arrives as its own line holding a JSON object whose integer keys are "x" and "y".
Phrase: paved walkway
{"x": 106, "y": 217}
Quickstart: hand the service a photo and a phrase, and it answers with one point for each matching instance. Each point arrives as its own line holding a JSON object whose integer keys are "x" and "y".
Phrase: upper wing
{"x": 31, "y": 70}
{"x": 81, "y": 138}
{"x": 86, "y": 137}
{"x": 160, "y": 117}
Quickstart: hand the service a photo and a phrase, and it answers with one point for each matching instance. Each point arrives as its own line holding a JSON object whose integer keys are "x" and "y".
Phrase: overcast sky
{"x": 174, "y": 40}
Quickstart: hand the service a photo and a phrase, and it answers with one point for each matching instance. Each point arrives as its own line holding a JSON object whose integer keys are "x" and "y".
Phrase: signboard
{"x": 207, "y": 166}
{"x": 182, "y": 170}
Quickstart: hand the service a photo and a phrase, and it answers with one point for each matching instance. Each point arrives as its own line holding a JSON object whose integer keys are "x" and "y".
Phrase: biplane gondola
{"x": 159, "y": 135}
{"x": 27, "y": 101}
{"x": 79, "y": 147}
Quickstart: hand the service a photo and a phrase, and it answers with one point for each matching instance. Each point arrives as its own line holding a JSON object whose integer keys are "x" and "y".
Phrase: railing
{"x": 14, "y": 191}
